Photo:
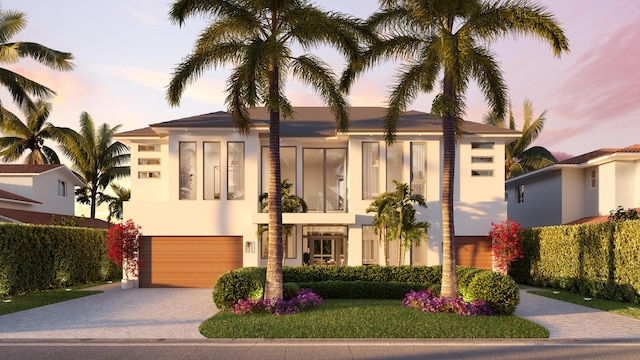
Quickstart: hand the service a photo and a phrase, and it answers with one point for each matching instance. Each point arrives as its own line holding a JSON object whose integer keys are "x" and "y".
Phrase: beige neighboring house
{"x": 581, "y": 189}
{"x": 36, "y": 194}
{"x": 195, "y": 184}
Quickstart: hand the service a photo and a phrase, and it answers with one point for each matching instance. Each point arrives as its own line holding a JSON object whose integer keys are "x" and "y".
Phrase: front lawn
{"x": 625, "y": 309}
{"x": 41, "y": 298}
{"x": 368, "y": 319}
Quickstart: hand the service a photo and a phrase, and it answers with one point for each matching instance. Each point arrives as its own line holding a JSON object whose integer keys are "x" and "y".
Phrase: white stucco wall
{"x": 575, "y": 188}
{"x": 41, "y": 187}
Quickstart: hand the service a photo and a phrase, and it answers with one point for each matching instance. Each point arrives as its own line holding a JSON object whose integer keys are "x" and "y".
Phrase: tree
{"x": 96, "y": 158}
{"x": 257, "y": 37}
{"x": 30, "y": 135}
{"x": 20, "y": 88}
{"x": 116, "y": 202}
{"x": 450, "y": 39}
{"x": 395, "y": 218}
{"x": 519, "y": 157}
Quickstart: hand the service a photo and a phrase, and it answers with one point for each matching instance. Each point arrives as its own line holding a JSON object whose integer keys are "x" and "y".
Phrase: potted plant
{"x": 123, "y": 248}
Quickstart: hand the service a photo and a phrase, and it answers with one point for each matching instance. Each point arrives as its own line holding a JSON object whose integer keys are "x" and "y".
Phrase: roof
{"x": 31, "y": 169}
{"x": 600, "y": 153}
{"x": 5, "y": 195}
{"x": 40, "y": 218}
{"x": 318, "y": 121}
{"x": 592, "y": 219}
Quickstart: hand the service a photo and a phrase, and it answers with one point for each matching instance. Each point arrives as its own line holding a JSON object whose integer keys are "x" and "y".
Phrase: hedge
{"x": 35, "y": 257}
{"x": 599, "y": 260}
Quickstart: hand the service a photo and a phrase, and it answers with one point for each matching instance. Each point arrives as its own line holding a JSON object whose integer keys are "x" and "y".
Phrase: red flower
{"x": 123, "y": 246}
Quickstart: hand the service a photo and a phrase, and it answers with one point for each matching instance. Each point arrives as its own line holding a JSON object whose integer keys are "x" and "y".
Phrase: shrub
{"x": 338, "y": 289}
{"x": 427, "y": 301}
{"x": 506, "y": 240}
{"x": 304, "y": 299}
{"x": 123, "y": 247}
{"x": 243, "y": 283}
{"x": 465, "y": 275}
{"x": 499, "y": 291}
{"x": 289, "y": 290}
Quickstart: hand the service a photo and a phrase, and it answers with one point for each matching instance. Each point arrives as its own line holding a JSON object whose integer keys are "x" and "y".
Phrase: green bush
{"x": 243, "y": 283}
{"x": 465, "y": 275}
{"x": 290, "y": 290}
{"x": 500, "y": 292}
{"x": 356, "y": 289}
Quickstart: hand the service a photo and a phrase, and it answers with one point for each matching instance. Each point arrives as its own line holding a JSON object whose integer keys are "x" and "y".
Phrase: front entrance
{"x": 326, "y": 245}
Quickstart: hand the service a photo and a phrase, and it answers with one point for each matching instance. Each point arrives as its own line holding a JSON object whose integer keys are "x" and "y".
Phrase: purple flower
{"x": 426, "y": 301}
{"x": 304, "y": 300}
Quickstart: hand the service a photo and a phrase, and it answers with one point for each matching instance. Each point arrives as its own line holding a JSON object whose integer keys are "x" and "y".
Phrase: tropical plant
{"x": 506, "y": 244}
{"x": 395, "y": 218}
{"x": 519, "y": 157}
{"x": 450, "y": 39}
{"x": 29, "y": 135}
{"x": 21, "y": 88}
{"x": 123, "y": 247}
{"x": 620, "y": 214}
{"x": 256, "y": 37}
{"x": 96, "y": 158}
{"x": 116, "y": 202}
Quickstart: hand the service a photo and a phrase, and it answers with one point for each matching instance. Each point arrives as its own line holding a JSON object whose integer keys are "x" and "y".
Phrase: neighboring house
{"x": 196, "y": 182}
{"x": 578, "y": 189}
{"x": 36, "y": 194}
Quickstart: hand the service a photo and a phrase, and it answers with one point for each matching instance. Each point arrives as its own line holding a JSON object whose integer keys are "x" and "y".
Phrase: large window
{"x": 187, "y": 171}
{"x": 369, "y": 245}
{"x": 211, "y": 151}
{"x": 235, "y": 170}
{"x": 287, "y": 167}
{"x": 419, "y": 168}
{"x": 324, "y": 185}
{"x": 370, "y": 170}
{"x": 394, "y": 165}
{"x": 288, "y": 243}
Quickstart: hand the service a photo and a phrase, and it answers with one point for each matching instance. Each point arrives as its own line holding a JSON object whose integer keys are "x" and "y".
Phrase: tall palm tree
{"x": 29, "y": 135}
{"x": 97, "y": 159}
{"x": 519, "y": 157}
{"x": 445, "y": 43}
{"x": 256, "y": 37}
{"x": 20, "y": 88}
{"x": 116, "y": 202}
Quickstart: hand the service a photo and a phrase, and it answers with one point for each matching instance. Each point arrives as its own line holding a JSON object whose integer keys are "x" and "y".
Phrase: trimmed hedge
{"x": 35, "y": 257}
{"x": 599, "y": 260}
{"x": 371, "y": 282}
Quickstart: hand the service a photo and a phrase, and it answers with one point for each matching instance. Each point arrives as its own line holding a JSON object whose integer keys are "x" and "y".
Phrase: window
{"x": 146, "y": 161}
{"x": 288, "y": 243}
{"x": 148, "y": 174}
{"x": 149, "y": 147}
{"x": 520, "y": 193}
{"x": 482, "y": 145}
{"x": 187, "y": 171}
{"x": 370, "y": 170}
{"x": 482, "y": 159}
{"x": 394, "y": 165}
{"x": 235, "y": 170}
{"x": 419, "y": 168}
{"x": 287, "y": 167}
{"x": 324, "y": 182}
{"x": 593, "y": 178}
{"x": 62, "y": 188}
{"x": 369, "y": 245}
{"x": 481, "y": 173}
{"x": 211, "y": 164}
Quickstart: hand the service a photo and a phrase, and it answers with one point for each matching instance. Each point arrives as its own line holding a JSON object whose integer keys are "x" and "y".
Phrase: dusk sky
{"x": 125, "y": 51}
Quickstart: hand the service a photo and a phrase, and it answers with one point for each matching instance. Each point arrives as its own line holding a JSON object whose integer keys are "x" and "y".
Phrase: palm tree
{"x": 116, "y": 202}
{"x": 395, "y": 218}
{"x": 20, "y": 88}
{"x": 256, "y": 37}
{"x": 519, "y": 157}
{"x": 30, "y": 135}
{"x": 450, "y": 39}
{"x": 97, "y": 159}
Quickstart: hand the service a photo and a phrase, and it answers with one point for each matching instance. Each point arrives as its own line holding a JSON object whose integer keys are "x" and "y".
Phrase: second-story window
{"x": 394, "y": 165}
{"x": 419, "y": 168}
{"x": 324, "y": 179}
{"x": 370, "y": 170}
{"x": 62, "y": 188}
{"x": 235, "y": 171}
{"x": 287, "y": 167}
{"x": 187, "y": 163}
{"x": 212, "y": 175}
{"x": 520, "y": 193}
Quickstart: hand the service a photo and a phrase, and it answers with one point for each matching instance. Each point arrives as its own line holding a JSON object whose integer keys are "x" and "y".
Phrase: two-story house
{"x": 196, "y": 182}
{"x": 585, "y": 186}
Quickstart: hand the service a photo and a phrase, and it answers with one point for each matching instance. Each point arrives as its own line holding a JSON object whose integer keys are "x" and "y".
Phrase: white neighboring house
{"x": 576, "y": 189}
{"x": 196, "y": 181}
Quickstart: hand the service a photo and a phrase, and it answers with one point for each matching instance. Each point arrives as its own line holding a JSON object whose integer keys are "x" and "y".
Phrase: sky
{"x": 126, "y": 50}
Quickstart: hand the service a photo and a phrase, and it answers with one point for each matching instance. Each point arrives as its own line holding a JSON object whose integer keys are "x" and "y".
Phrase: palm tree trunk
{"x": 94, "y": 195}
{"x": 273, "y": 286}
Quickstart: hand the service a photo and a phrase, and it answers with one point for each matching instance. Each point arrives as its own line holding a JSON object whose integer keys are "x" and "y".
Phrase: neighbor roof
{"x": 27, "y": 168}
{"x": 5, "y": 195}
{"x": 40, "y": 218}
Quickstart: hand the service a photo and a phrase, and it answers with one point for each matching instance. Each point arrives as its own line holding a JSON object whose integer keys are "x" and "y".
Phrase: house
{"x": 196, "y": 182}
{"x": 578, "y": 189}
{"x": 38, "y": 194}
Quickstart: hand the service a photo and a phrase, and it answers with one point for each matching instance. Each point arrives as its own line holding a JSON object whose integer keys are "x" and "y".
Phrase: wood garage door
{"x": 175, "y": 261}
{"x": 474, "y": 251}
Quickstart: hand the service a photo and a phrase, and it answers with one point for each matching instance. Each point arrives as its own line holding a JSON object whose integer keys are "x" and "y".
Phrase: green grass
{"x": 42, "y": 298}
{"x": 368, "y": 319}
{"x": 625, "y": 309}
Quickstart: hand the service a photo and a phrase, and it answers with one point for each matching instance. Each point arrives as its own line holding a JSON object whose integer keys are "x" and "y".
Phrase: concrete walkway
{"x": 177, "y": 313}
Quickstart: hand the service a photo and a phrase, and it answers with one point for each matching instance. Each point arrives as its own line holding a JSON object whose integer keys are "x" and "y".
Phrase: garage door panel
{"x": 174, "y": 261}
{"x": 474, "y": 251}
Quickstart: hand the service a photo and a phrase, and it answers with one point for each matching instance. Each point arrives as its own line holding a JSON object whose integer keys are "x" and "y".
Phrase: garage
{"x": 188, "y": 261}
{"x": 474, "y": 251}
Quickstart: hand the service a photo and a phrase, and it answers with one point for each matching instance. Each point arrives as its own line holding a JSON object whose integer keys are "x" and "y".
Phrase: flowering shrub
{"x": 305, "y": 299}
{"x": 123, "y": 246}
{"x": 506, "y": 245}
{"x": 426, "y": 301}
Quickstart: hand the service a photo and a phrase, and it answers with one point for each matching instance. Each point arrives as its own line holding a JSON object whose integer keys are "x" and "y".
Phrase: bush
{"x": 290, "y": 290}
{"x": 500, "y": 292}
{"x": 338, "y": 289}
{"x": 243, "y": 283}
{"x": 427, "y": 301}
